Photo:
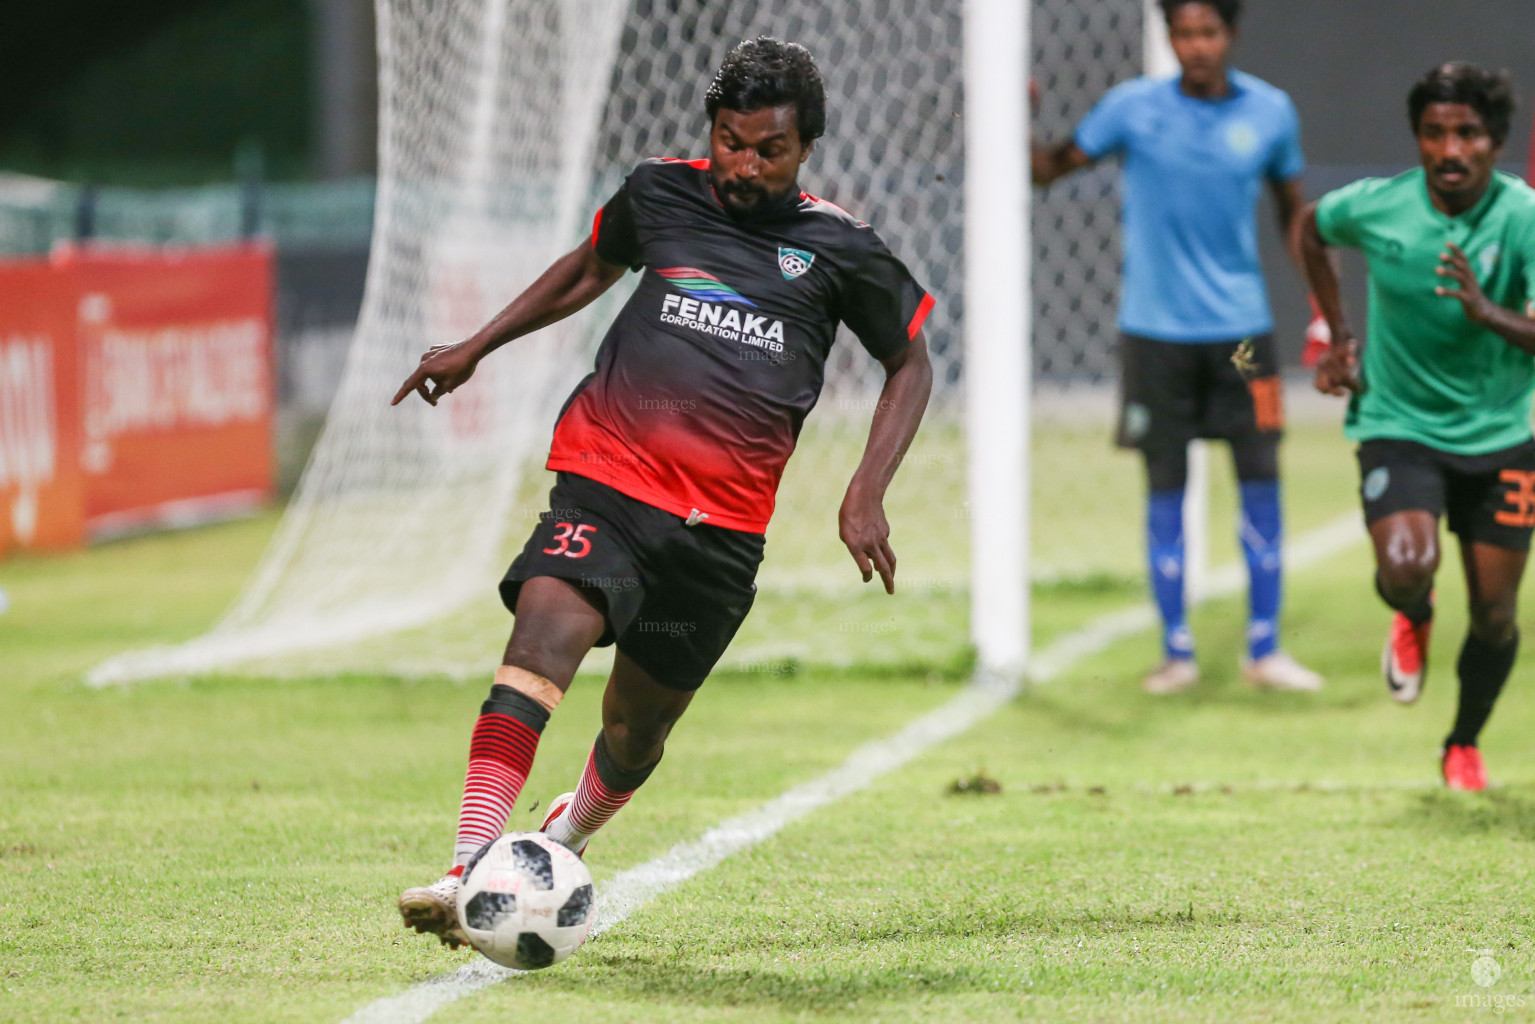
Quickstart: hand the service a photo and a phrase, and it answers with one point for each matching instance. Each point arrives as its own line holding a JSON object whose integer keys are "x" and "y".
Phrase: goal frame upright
{"x": 998, "y": 319}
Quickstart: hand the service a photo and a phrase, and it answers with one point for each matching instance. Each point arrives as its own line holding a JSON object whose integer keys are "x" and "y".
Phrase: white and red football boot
{"x": 556, "y": 809}
{"x": 1463, "y": 769}
{"x": 1405, "y": 659}
{"x": 433, "y": 909}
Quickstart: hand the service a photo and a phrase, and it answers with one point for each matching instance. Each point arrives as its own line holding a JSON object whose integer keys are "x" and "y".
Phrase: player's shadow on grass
{"x": 803, "y": 983}
{"x": 1510, "y": 811}
{"x": 1117, "y": 708}
{"x": 876, "y": 963}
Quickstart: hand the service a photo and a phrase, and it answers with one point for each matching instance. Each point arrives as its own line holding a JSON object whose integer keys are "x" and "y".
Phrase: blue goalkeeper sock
{"x": 1164, "y": 549}
{"x": 1262, "y": 533}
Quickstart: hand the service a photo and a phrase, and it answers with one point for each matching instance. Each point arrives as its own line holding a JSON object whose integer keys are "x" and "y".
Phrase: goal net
{"x": 503, "y": 125}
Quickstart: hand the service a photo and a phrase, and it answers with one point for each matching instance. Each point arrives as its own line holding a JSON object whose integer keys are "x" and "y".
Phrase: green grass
{"x": 230, "y": 849}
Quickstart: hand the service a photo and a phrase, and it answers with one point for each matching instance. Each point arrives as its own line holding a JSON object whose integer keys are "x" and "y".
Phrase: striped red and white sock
{"x": 603, "y": 790}
{"x": 500, "y": 756}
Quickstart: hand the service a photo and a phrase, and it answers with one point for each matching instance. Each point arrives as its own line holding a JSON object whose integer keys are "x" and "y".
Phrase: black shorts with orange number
{"x": 1489, "y": 498}
{"x": 1174, "y": 392}
{"x": 674, "y": 594}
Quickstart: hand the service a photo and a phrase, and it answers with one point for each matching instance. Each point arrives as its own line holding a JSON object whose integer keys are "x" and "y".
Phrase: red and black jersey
{"x": 708, "y": 371}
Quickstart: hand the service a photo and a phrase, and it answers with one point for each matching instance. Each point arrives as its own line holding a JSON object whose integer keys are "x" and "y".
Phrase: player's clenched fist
{"x": 1337, "y": 371}
{"x": 443, "y": 368}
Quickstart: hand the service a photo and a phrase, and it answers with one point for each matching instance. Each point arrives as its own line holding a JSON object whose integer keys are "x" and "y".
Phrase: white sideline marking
{"x": 628, "y": 891}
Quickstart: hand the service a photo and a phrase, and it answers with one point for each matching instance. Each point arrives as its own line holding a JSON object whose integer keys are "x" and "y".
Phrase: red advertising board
{"x": 176, "y": 384}
{"x": 42, "y": 497}
{"x": 162, "y": 387}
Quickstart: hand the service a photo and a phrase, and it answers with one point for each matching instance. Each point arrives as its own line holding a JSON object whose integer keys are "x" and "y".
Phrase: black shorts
{"x": 675, "y": 594}
{"x": 1174, "y": 392}
{"x": 1489, "y": 498}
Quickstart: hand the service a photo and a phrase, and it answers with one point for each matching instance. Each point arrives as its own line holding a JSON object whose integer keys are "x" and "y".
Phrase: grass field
{"x": 230, "y": 849}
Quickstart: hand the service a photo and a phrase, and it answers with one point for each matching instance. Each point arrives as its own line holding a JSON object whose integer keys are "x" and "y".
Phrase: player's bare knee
{"x": 551, "y": 647}
{"x": 542, "y": 656}
{"x": 1406, "y": 567}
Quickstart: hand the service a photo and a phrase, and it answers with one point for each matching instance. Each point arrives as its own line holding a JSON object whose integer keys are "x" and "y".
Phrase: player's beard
{"x": 742, "y": 199}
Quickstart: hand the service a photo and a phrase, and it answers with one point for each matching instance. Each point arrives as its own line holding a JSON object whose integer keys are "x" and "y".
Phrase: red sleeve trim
{"x": 596, "y": 224}
{"x": 702, "y": 163}
{"x": 923, "y": 308}
{"x": 827, "y": 202}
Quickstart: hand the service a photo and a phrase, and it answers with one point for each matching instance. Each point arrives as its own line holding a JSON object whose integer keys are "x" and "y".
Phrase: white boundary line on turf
{"x": 628, "y": 891}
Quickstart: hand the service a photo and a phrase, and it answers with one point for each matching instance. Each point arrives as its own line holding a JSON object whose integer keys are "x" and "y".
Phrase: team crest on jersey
{"x": 1487, "y": 260}
{"x": 794, "y": 262}
{"x": 1242, "y": 138}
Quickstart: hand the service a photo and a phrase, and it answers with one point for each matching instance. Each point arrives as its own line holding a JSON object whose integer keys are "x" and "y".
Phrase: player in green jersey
{"x": 1441, "y": 395}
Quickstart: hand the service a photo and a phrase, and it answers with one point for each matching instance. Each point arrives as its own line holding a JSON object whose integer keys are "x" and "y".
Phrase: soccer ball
{"x": 526, "y": 901}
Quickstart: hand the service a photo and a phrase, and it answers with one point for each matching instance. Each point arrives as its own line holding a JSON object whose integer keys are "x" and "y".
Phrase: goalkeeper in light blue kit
{"x": 1198, "y": 148}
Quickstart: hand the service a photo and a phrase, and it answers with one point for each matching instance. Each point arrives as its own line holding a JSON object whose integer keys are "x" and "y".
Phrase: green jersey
{"x": 1431, "y": 375}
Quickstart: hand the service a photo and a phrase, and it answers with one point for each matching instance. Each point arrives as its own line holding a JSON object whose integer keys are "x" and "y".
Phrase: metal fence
{"x": 37, "y": 214}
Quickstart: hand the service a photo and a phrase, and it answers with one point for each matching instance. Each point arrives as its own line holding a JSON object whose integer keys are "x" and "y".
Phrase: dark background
{"x": 169, "y": 92}
{"x": 1348, "y": 65}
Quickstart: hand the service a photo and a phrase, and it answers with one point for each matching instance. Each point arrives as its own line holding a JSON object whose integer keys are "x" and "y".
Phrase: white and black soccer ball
{"x": 526, "y": 901}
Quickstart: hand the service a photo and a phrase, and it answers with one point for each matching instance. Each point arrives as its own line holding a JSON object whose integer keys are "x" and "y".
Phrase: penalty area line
{"x": 628, "y": 891}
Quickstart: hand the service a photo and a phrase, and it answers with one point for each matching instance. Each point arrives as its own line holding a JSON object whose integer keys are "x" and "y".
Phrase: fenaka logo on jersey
{"x": 794, "y": 262}
{"x": 703, "y": 286}
{"x": 707, "y": 307}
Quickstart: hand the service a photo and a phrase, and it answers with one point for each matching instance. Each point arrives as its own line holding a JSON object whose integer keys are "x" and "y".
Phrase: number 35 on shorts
{"x": 572, "y": 541}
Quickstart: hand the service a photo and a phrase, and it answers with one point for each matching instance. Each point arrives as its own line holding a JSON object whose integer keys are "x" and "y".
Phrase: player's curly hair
{"x": 1229, "y": 10}
{"x": 768, "y": 72}
{"x": 1489, "y": 93}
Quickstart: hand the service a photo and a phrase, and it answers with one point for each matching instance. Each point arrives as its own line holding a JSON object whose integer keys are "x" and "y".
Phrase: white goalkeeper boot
{"x": 1279, "y": 671}
{"x": 1172, "y": 676}
{"x": 433, "y": 909}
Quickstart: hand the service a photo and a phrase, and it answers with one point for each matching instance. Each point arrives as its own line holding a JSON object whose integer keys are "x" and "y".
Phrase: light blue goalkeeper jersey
{"x": 1194, "y": 170}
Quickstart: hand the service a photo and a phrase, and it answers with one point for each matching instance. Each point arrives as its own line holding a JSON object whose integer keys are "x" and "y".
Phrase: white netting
{"x": 1086, "y": 497}
{"x": 503, "y": 125}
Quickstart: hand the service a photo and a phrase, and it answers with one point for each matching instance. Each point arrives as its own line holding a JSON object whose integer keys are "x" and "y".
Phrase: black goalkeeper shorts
{"x": 1174, "y": 392}
{"x": 675, "y": 594}
{"x": 1490, "y": 499}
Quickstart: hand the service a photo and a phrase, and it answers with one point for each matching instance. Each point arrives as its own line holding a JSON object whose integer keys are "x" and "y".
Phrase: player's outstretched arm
{"x": 1518, "y": 331}
{"x": 570, "y": 283}
{"x": 1049, "y": 161}
{"x": 1337, "y": 371}
{"x": 861, "y": 521}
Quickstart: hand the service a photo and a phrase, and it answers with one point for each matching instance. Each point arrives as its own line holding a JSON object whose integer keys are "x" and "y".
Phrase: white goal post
{"x": 998, "y": 352}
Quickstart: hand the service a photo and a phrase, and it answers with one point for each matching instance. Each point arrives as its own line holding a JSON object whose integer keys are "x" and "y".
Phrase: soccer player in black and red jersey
{"x": 669, "y": 454}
